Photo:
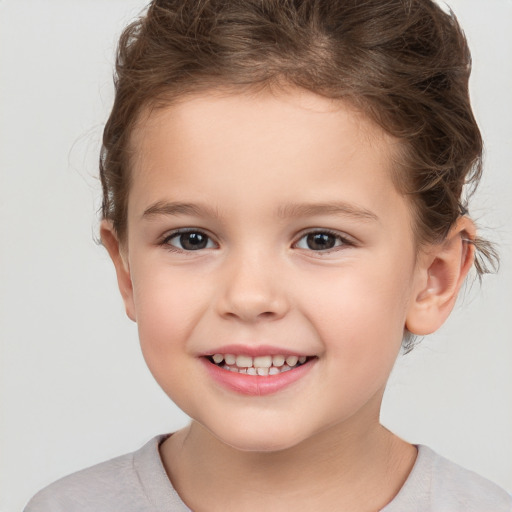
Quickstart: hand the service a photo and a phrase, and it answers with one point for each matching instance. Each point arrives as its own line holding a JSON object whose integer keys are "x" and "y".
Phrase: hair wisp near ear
{"x": 118, "y": 255}
{"x": 441, "y": 272}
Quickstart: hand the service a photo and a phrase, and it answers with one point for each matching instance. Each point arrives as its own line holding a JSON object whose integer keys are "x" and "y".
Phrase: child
{"x": 283, "y": 204}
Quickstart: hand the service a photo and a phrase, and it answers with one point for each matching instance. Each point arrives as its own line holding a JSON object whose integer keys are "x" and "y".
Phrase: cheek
{"x": 168, "y": 304}
{"x": 362, "y": 333}
{"x": 360, "y": 313}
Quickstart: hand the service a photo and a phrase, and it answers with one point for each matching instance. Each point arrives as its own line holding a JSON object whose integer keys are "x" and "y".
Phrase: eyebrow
{"x": 177, "y": 208}
{"x": 331, "y": 208}
{"x": 285, "y": 211}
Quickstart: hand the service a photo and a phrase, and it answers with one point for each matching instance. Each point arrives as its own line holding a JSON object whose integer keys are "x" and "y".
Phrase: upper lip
{"x": 254, "y": 351}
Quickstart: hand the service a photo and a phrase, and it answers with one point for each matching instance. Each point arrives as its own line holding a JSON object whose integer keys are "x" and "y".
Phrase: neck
{"x": 342, "y": 468}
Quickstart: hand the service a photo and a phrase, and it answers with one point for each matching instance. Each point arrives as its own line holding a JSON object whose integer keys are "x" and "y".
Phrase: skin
{"x": 242, "y": 160}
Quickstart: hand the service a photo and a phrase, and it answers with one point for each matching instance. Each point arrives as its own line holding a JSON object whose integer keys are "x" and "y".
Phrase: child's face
{"x": 249, "y": 180}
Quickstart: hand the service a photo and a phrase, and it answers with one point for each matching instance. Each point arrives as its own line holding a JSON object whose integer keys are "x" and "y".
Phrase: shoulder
{"x": 463, "y": 488}
{"x": 93, "y": 488}
{"x": 132, "y": 482}
{"x": 438, "y": 485}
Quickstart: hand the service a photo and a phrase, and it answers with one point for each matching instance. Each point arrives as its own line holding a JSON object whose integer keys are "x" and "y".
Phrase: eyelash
{"x": 343, "y": 240}
{"x": 175, "y": 234}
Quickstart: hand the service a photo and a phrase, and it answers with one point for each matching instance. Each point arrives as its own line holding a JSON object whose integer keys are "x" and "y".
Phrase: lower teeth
{"x": 273, "y": 370}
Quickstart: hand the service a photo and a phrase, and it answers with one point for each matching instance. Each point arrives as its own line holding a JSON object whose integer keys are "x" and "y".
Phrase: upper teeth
{"x": 242, "y": 361}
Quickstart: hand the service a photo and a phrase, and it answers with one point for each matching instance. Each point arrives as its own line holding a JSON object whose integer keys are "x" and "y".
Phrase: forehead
{"x": 286, "y": 145}
{"x": 261, "y": 114}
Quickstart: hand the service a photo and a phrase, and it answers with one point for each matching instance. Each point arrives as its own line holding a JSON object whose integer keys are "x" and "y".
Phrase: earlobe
{"x": 119, "y": 258}
{"x": 439, "y": 277}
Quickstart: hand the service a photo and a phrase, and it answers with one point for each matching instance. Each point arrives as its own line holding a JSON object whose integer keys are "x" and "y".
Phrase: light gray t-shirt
{"x": 137, "y": 482}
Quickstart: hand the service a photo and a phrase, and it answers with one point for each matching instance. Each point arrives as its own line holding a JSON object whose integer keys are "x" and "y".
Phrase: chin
{"x": 258, "y": 445}
{"x": 263, "y": 439}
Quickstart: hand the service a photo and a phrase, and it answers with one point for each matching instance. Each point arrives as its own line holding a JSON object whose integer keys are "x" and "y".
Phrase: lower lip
{"x": 256, "y": 385}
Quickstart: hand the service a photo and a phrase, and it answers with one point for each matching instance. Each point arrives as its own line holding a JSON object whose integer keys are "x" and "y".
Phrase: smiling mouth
{"x": 260, "y": 365}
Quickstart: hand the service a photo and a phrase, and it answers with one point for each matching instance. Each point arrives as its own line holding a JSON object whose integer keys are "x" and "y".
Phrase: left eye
{"x": 320, "y": 241}
{"x": 190, "y": 241}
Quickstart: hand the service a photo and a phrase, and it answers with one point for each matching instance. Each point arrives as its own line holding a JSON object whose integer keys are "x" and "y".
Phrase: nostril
{"x": 248, "y": 304}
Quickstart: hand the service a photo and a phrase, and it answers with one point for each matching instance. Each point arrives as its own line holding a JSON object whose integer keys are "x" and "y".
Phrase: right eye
{"x": 188, "y": 241}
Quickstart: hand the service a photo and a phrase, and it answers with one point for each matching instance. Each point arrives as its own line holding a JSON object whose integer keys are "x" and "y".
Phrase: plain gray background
{"x": 74, "y": 387}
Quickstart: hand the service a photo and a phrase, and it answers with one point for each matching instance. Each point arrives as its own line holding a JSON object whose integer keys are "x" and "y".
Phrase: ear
{"x": 118, "y": 253}
{"x": 440, "y": 273}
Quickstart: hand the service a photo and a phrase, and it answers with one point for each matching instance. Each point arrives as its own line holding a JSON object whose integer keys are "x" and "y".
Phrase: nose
{"x": 251, "y": 290}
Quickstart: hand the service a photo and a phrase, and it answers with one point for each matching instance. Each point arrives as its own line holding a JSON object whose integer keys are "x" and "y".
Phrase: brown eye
{"x": 190, "y": 241}
{"x": 320, "y": 241}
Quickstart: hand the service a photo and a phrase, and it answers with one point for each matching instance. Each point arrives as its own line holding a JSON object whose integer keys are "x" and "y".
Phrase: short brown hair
{"x": 404, "y": 63}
